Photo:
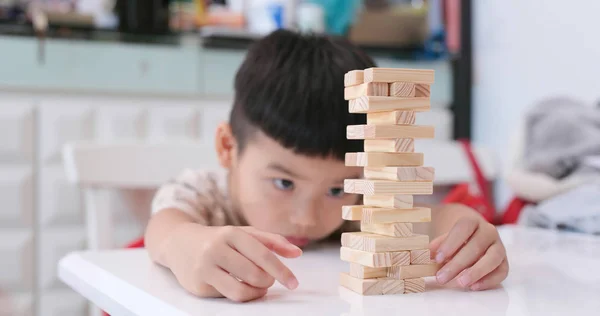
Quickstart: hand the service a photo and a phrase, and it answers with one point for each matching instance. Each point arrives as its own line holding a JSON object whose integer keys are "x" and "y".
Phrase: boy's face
{"x": 282, "y": 192}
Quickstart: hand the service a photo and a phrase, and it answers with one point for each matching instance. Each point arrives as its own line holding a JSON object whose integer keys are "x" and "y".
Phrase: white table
{"x": 551, "y": 274}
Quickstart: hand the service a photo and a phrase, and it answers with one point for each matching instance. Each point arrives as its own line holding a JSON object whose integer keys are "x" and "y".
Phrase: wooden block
{"x": 390, "y": 215}
{"x": 353, "y": 78}
{"x": 414, "y": 285}
{"x": 420, "y": 256}
{"x": 398, "y": 145}
{"x": 377, "y": 243}
{"x": 384, "y": 187}
{"x": 370, "y": 104}
{"x": 377, "y": 74}
{"x": 363, "y": 272}
{"x": 388, "y": 229}
{"x": 384, "y": 159}
{"x": 352, "y": 212}
{"x": 375, "y": 259}
{"x": 402, "y": 89}
{"x": 367, "y": 89}
{"x": 383, "y": 286}
{"x": 413, "y": 271}
{"x": 391, "y": 286}
{"x": 389, "y": 131}
{"x": 400, "y": 173}
{"x": 399, "y": 201}
{"x": 422, "y": 90}
{"x": 392, "y": 118}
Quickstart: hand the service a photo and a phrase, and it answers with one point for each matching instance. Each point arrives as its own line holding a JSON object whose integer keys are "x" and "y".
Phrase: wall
{"x": 525, "y": 51}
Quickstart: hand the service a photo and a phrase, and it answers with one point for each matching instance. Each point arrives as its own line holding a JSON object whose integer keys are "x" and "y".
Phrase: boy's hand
{"x": 211, "y": 261}
{"x": 473, "y": 251}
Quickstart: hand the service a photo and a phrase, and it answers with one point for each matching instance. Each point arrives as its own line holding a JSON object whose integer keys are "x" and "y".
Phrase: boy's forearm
{"x": 445, "y": 216}
{"x": 159, "y": 230}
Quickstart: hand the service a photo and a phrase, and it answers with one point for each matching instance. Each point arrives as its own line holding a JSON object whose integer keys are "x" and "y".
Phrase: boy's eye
{"x": 336, "y": 192}
{"x": 283, "y": 184}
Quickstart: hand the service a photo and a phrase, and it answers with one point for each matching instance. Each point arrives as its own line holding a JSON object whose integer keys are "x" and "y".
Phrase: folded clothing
{"x": 560, "y": 134}
{"x": 575, "y": 210}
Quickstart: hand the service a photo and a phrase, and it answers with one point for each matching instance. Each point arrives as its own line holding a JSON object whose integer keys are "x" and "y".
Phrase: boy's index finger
{"x": 276, "y": 243}
{"x": 258, "y": 253}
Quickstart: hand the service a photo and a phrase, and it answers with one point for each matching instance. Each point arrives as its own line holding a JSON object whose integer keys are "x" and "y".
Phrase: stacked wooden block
{"x": 386, "y": 257}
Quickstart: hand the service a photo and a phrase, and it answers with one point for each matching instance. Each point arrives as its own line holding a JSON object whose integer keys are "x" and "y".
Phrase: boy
{"x": 283, "y": 150}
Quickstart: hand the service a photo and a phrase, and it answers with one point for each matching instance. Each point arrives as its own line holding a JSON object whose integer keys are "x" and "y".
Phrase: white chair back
{"x": 100, "y": 168}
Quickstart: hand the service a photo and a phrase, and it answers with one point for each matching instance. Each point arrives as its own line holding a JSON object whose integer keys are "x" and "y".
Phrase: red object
{"x": 480, "y": 200}
{"x": 514, "y": 209}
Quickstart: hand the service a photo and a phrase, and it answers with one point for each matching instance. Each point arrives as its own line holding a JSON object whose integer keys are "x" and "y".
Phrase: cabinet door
{"x": 16, "y": 253}
{"x": 54, "y": 244}
{"x": 62, "y": 121}
{"x": 173, "y": 123}
{"x": 16, "y": 196}
{"x": 16, "y": 131}
{"x": 61, "y": 303}
{"x": 63, "y": 203}
{"x": 16, "y": 305}
{"x": 120, "y": 122}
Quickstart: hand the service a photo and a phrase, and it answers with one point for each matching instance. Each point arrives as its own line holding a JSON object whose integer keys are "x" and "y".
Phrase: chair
{"x": 99, "y": 168}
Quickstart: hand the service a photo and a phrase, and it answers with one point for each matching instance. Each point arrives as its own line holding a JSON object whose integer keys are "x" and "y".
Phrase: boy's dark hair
{"x": 291, "y": 87}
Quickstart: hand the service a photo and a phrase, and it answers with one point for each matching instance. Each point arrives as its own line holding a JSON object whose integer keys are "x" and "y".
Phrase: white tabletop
{"x": 551, "y": 274}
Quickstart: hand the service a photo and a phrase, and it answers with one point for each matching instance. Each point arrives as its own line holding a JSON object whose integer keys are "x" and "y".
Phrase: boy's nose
{"x": 306, "y": 215}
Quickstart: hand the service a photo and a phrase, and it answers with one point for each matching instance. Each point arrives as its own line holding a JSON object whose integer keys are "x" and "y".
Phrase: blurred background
{"x": 516, "y": 78}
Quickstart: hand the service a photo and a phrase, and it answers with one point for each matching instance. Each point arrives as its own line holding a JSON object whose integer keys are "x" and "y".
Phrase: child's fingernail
{"x": 476, "y": 287}
{"x": 293, "y": 247}
{"x": 292, "y": 284}
{"x": 439, "y": 257}
{"x": 442, "y": 276}
{"x": 464, "y": 279}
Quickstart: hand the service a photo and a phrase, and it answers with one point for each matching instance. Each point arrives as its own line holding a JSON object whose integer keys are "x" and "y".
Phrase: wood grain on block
{"x": 363, "y": 272}
{"x": 388, "y": 229}
{"x": 389, "y": 131}
{"x": 384, "y": 187}
{"x": 391, "y": 215}
{"x": 354, "y": 77}
{"x": 392, "y": 118}
{"x": 384, "y": 159}
{"x": 413, "y": 271}
{"x": 400, "y": 201}
{"x": 367, "y": 89}
{"x": 402, "y": 89}
{"x": 375, "y": 259}
{"x": 383, "y": 286}
{"x": 370, "y": 104}
{"x": 352, "y": 212}
{"x": 422, "y": 90}
{"x": 377, "y": 74}
{"x": 420, "y": 256}
{"x": 377, "y": 243}
{"x": 400, "y": 173}
{"x": 397, "y": 145}
{"x": 391, "y": 286}
{"x": 414, "y": 285}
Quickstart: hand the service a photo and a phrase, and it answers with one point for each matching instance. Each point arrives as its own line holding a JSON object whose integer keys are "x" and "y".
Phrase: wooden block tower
{"x": 386, "y": 257}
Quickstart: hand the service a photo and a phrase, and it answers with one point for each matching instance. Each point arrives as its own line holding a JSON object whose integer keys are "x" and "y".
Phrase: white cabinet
{"x": 42, "y": 216}
{"x": 16, "y": 131}
{"x": 16, "y": 267}
{"x": 16, "y": 196}
{"x": 62, "y": 302}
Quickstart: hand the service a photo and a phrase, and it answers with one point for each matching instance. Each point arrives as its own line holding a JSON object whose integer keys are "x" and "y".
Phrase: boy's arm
{"x": 160, "y": 227}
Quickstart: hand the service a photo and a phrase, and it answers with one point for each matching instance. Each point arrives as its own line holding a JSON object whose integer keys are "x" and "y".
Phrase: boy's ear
{"x": 225, "y": 145}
